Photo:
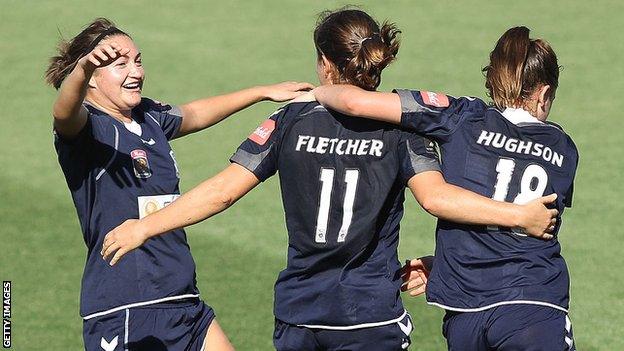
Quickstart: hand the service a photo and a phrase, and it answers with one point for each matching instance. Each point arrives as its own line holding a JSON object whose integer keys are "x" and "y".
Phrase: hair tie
{"x": 96, "y": 41}
{"x": 365, "y": 39}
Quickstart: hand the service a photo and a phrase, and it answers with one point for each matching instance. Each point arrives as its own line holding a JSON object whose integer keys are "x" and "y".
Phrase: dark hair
{"x": 518, "y": 65}
{"x": 354, "y": 43}
{"x": 69, "y": 52}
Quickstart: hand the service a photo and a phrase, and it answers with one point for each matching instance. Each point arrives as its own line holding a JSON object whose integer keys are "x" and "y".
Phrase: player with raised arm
{"x": 502, "y": 290}
{"x": 342, "y": 183}
{"x": 113, "y": 147}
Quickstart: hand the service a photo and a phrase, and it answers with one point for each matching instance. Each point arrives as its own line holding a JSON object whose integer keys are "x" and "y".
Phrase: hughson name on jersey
{"x": 501, "y": 141}
{"x": 322, "y": 145}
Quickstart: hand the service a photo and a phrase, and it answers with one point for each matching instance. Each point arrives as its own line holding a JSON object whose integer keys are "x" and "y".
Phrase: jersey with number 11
{"x": 508, "y": 156}
{"x": 342, "y": 181}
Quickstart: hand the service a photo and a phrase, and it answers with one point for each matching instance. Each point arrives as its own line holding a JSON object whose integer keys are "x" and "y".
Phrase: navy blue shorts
{"x": 509, "y": 327}
{"x": 389, "y": 337}
{"x": 180, "y": 325}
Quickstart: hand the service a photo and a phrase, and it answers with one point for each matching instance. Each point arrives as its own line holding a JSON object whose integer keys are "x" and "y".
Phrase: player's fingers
{"x": 94, "y": 60}
{"x": 549, "y": 198}
{"x": 415, "y": 283}
{"x": 412, "y": 274}
{"x": 123, "y": 51}
{"x": 109, "y": 250}
{"x": 304, "y": 86}
{"x": 553, "y": 212}
{"x": 418, "y": 291}
{"x": 423, "y": 276}
{"x": 99, "y": 53}
{"x": 118, "y": 255}
{"x": 547, "y": 236}
{"x": 112, "y": 53}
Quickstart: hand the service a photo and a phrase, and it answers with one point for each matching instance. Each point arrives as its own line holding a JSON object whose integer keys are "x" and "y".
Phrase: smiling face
{"x": 118, "y": 86}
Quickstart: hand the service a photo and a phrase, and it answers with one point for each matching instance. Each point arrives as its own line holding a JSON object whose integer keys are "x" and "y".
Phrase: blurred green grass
{"x": 193, "y": 49}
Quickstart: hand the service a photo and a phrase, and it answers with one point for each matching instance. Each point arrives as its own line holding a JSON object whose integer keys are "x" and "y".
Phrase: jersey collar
{"x": 519, "y": 115}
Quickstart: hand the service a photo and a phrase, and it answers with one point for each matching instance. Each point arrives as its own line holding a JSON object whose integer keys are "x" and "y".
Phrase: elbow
{"x": 353, "y": 107}
{"x": 433, "y": 205}
{"x": 221, "y": 199}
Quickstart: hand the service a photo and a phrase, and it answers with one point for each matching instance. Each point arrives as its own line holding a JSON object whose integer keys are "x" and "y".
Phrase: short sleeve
{"x": 434, "y": 114}
{"x": 258, "y": 153}
{"x": 417, "y": 155}
{"x": 567, "y": 200}
{"x": 74, "y": 154}
{"x": 168, "y": 117}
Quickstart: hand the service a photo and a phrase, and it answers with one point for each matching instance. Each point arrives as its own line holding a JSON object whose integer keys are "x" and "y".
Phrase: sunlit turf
{"x": 193, "y": 49}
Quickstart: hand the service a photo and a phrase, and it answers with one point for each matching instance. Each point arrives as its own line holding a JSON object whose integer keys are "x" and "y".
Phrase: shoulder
{"x": 424, "y": 99}
{"x": 292, "y": 111}
{"x": 155, "y": 106}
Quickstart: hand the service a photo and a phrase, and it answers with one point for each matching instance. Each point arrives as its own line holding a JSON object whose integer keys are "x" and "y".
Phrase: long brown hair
{"x": 354, "y": 43}
{"x": 69, "y": 52}
{"x": 518, "y": 65}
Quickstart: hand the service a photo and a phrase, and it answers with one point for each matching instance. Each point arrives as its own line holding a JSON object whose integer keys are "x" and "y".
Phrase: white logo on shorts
{"x": 109, "y": 346}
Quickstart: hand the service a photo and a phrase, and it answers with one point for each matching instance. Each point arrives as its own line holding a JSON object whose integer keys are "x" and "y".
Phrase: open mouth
{"x": 134, "y": 86}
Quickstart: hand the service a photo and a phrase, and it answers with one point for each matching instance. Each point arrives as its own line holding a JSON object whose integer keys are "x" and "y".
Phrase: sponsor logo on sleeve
{"x": 140, "y": 164}
{"x": 262, "y": 134}
{"x": 434, "y": 99}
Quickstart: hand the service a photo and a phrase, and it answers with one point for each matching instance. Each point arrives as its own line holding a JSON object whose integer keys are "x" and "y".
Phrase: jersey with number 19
{"x": 508, "y": 156}
{"x": 342, "y": 182}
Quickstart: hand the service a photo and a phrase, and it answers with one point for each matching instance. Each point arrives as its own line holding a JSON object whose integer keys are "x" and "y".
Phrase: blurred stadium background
{"x": 193, "y": 49}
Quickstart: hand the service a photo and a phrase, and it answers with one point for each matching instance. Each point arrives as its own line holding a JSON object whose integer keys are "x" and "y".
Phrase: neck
{"x": 121, "y": 115}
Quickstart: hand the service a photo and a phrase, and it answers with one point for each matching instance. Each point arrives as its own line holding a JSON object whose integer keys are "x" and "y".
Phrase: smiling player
{"x": 113, "y": 147}
{"x": 342, "y": 184}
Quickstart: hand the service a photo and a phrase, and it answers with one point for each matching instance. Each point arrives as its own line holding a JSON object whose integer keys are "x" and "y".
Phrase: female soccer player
{"x": 502, "y": 290}
{"x": 342, "y": 183}
{"x": 113, "y": 147}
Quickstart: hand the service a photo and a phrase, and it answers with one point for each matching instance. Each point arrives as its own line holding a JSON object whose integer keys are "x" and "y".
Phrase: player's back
{"x": 342, "y": 182}
{"x": 508, "y": 156}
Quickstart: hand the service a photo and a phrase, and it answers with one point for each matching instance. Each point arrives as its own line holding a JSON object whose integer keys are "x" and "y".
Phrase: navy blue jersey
{"x": 508, "y": 156}
{"x": 342, "y": 182}
{"x": 115, "y": 174}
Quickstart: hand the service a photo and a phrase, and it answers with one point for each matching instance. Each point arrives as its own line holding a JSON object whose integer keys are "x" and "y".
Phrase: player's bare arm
{"x": 455, "y": 204}
{"x": 200, "y": 114}
{"x": 69, "y": 114}
{"x": 355, "y": 101}
{"x": 205, "y": 200}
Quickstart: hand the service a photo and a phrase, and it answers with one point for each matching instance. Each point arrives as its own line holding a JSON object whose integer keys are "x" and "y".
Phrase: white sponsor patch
{"x": 151, "y": 204}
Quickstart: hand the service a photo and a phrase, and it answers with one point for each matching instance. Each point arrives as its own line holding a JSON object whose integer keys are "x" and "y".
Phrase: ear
{"x": 329, "y": 69}
{"x": 544, "y": 93}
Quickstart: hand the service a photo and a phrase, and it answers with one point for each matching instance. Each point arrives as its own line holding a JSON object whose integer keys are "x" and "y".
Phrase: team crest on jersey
{"x": 140, "y": 164}
{"x": 435, "y": 99}
{"x": 262, "y": 134}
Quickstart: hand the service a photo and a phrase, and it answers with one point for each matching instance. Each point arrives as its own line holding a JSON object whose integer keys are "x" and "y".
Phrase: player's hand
{"x": 415, "y": 274}
{"x": 285, "y": 91}
{"x": 103, "y": 55}
{"x": 308, "y": 96}
{"x": 123, "y": 239}
{"x": 537, "y": 220}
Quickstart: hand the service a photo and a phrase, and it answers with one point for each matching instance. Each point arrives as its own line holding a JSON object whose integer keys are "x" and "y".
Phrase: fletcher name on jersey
{"x": 342, "y": 182}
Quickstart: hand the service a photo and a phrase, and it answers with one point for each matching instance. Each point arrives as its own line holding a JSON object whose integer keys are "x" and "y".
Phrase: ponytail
{"x": 355, "y": 44}
{"x": 518, "y": 65}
